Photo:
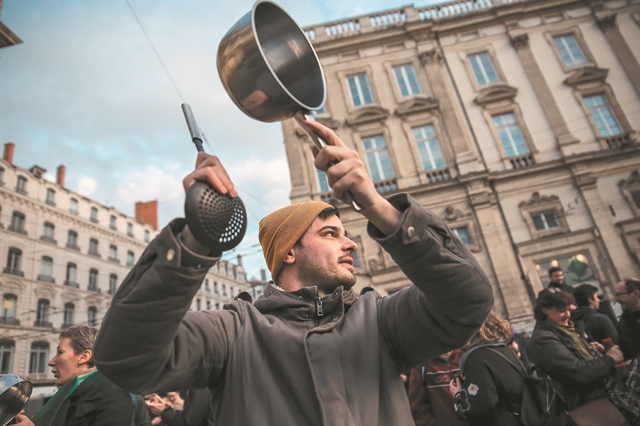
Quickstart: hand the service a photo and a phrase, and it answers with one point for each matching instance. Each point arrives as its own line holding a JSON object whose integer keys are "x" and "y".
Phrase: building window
{"x": 93, "y": 247}
{"x": 483, "y": 69}
{"x": 569, "y": 50}
{"x": 545, "y": 220}
{"x": 113, "y": 253}
{"x": 215, "y": 287}
{"x": 322, "y": 110}
{"x": 602, "y": 115}
{"x": 92, "y": 316}
{"x": 94, "y": 214}
{"x": 510, "y": 135}
{"x": 93, "y": 280}
{"x": 6, "y": 356}
{"x": 130, "y": 229}
{"x": 147, "y": 235}
{"x": 323, "y": 183}
{"x": 17, "y": 223}
{"x": 112, "y": 222}
{"x": 51, "y": 197}
{"x": 206, "y": 284}
{"x": 429, "y": 147}
{"x": 360, "y": 90}
{"x": 14, "y": 261}
{"x": 198, "y": 303}
{"x": 217, "y": 306}
{"x": 72, "y": 240}
{"x": 9, "y": 307}
{"x": 1, "y": 176}
{"x": 42, "y": 313}
{"x": 69, "y": 310}
{"x": 463, "y": 233}
{"x": 224, "y": 290}
{"x": 407, "y": 80}
{"x": 39, "y": 358}
{"x": 72, "y": 275}
{"x": 113, "y": 283}
{"x": 577, "y": 269}
{"x": 73, "y": 206}
{"x": 21, "y": 185}
{"x": 208, "y": 305}
{"x": 46, "y": 269}
{"x": 377, "y": 158}
{"x": 130, "y": 261}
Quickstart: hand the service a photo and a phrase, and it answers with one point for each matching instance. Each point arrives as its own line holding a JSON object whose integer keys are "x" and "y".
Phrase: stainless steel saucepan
{"x": 270, "y": 70}
{"x": 14, "y": 394}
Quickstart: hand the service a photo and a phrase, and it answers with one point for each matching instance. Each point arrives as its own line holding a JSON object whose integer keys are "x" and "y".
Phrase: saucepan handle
{"x": 321, "y": 143}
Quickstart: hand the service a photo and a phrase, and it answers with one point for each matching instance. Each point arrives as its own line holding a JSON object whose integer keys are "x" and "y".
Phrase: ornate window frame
{"x": 574, "y": 31}
{"x": 541, "y": 204}
{"x": 456, "y": 218}
{"x": 628, "y": 186}
{"x": 420, "y": 76}
{"x": 464, "y": 56}
{"x": 342, "y": 77}
{"x": 386, "y": 134}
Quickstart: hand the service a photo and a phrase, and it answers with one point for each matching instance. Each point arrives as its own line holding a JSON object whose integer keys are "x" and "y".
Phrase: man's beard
{"x": 313, "y": 273}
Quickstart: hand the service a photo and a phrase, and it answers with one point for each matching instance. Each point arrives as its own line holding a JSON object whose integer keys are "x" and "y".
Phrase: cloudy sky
{"x": 86, "y": 89}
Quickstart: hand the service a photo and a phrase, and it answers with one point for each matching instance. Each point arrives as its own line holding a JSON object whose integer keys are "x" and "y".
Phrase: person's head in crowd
{"x": 494, "y": 329}
{"x": 627, "y": 294}
{"x": 556, "y": 275}
{"x": 587, "y": 295}
{"x": 305, "y": 245}
{"x": 74, "y": 355}
{"x": 555, "y": 305}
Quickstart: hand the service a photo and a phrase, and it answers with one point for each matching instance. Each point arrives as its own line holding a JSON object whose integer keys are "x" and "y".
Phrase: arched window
{"x": 6, "y": 355}
{"x": 69, "y": 310}
{"x": 113, "y": 283}
{"x": 93, "y": 280}
{"x": 130, "y": 229}
{"x": 42, "y": 314}
{"x": 17, "y": 223}
{"x": 72, "y": 275}
{"x": 92, "y": 316}
{"x": 51, "y": 197}
{"x": 72, "y": 240}
{"x": 48, "y": 231}
{"x": 14, "y": 261}
{"x": 39, "y": 357}
{"x": 46, "y": 269}
{"x": 9, "y": 306}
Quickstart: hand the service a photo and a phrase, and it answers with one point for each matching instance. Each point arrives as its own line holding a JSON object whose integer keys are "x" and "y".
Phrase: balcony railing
{"x": 73, "y": 246}
{"x": 46, "y": 278}
{"x": 522, "y": 161}
{"x": 439, "y": 175}
{"x": 384, "y": 186}
{"x": 9, "y": 320}
{"x": 13, "y": 271}
{"x": 17, "y": 229}
{"x": 114, "y": 259}
{"x": 45, "y": 324}
{"x": 73, "y": 284}
{"x": 48, "y": 239}
{"x": 51, "y": 203}
{"x": 94, "y": 253}
{"x": 618, "y": 141}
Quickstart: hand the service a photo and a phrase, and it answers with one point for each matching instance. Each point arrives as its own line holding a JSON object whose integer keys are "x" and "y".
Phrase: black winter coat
{"x": 629, "y": 329}
{"x": 595, "y": 324}
{"x": 577, "y": 380}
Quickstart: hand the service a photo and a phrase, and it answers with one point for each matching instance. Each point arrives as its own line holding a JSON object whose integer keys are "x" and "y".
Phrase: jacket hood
{"x": 582, "y": 313}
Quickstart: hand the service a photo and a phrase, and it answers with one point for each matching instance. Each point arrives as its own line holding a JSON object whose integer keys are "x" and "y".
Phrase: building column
{"x": 511, "y": 286}
{"x": 607, "y": 22}
{"x": 545, "y": 96}
{"x": 466, "y": 157}
{"x": 605, "y": 228}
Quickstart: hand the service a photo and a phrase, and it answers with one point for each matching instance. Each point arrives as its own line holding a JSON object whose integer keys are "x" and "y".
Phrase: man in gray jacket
{"x": 310, "y": 351}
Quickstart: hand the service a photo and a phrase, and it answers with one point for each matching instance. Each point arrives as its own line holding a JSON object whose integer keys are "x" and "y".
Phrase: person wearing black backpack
{"x": 490, "y": 392}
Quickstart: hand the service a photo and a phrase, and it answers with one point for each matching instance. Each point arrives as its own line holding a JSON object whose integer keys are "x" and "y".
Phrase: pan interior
{"x": 289, "y": 55}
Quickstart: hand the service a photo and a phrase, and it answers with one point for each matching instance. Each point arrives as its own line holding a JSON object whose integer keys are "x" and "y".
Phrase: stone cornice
{"x": 495, "y": 93}
{"x": 416, "y": 105}
{"x": 519, "y": 41}
{"x": 367, "y": 114}
{"x": 537, "y": 199}
{"x": 587, "y": 75}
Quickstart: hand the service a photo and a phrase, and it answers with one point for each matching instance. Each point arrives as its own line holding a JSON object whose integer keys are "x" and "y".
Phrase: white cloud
{"x": 86, "y": 185}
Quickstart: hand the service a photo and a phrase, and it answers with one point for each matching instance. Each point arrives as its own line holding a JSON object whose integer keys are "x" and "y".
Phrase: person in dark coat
{"x": 195, "y": 412}
{"x": 558, "y": 351}
{"x": 628, "y": 296}
{"x": 587, "y": 318}
{"x": 86, "y": 397}
{"x": 490, "y": 391}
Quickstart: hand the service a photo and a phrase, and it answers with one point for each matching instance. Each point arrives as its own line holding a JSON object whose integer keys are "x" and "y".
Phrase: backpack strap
{"x": 522, "y": 370}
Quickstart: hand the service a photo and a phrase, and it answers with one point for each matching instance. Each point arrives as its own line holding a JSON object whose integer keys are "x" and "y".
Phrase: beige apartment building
{"x": 515, "y": 121}
{"x": 64, "y": 257}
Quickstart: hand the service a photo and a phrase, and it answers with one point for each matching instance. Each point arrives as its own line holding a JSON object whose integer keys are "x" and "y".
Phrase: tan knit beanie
{"x": 280, "y": 230}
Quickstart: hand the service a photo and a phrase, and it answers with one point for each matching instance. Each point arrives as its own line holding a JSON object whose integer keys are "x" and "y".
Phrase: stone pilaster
{"x": 552, "y": 111}
{"x": 607, "y": 22}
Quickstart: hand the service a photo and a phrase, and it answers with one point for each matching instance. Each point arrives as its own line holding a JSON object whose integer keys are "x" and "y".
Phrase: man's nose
{"x": 350, "y": 245}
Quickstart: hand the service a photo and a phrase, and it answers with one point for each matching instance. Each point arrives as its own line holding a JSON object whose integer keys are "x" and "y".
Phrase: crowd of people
{"x": 311, "y": 351}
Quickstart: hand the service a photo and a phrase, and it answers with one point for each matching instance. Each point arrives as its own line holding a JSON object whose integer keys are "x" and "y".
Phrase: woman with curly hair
{"x": 490, "y": 391}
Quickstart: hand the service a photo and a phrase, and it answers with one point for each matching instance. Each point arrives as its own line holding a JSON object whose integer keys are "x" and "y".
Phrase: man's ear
{"x": 290, "y": 258}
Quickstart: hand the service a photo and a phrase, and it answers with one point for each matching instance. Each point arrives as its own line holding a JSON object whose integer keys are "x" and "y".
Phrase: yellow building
{"x": 516, "y": 121}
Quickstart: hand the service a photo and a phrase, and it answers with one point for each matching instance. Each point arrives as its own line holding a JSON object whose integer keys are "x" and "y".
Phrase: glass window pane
{"x": 462, "y": 233}
{"x": 366, "y": 91}
{"x": 355, "y": 96}
{"x": 402, "y": 85}
{"x": 323, "y": 183}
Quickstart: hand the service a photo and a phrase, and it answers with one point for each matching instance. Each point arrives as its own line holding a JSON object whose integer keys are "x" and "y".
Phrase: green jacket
{"x": 280, "y": 361}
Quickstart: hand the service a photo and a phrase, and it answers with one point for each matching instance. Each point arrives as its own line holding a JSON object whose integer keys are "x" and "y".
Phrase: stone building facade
{"x": 515, "y": 121}
{"x": 64, "y": 256}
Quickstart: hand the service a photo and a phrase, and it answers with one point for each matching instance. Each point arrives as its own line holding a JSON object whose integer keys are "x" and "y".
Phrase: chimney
{"x": 60, "y": 175}
{"x": 263, "y": 275}
{"x": 8, "y": 152}
{"x": 147, "y": 213}
{"x": 240, "y": 260}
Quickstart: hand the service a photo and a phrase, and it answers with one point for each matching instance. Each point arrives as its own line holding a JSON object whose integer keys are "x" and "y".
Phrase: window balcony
{"x": 114, "y": 260}
{"x": 51, "y": 203}
{"x": 13, "y": 271}
{"x": 94, "y": 219}
{"x": 21, "y": 191}
{"x": 45, "y": 324}
{"x": 72, "y": 247}
{"x": 384, "y": 186}
{"x": 94, "y": 289}
{"x": 46, "y": 278}
{"x": 439, "y": 175}
{"x": 94, "y": 253}
{"x": 522, "y": 161}
{"x": 9, "y": 321}
{"x": 73, "y": 284}
{"x": 48, "y": 239}
{"x": 617, "y": 142}
{"x": 17, "y": 230}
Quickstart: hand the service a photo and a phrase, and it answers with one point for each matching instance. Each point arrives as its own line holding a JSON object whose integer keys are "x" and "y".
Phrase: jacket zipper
{"x": 319, "y": 307}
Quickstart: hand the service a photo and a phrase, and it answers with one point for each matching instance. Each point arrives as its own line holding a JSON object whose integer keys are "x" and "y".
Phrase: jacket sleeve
{"x": 481, "y": 393}
{"x": 559, "y": 362}
{"x": 451, "y": 296}
{"x": 148, "y": 342}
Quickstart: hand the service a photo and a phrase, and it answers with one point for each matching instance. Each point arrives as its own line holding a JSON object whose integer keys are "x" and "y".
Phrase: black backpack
{"x": 538, "y": 395}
